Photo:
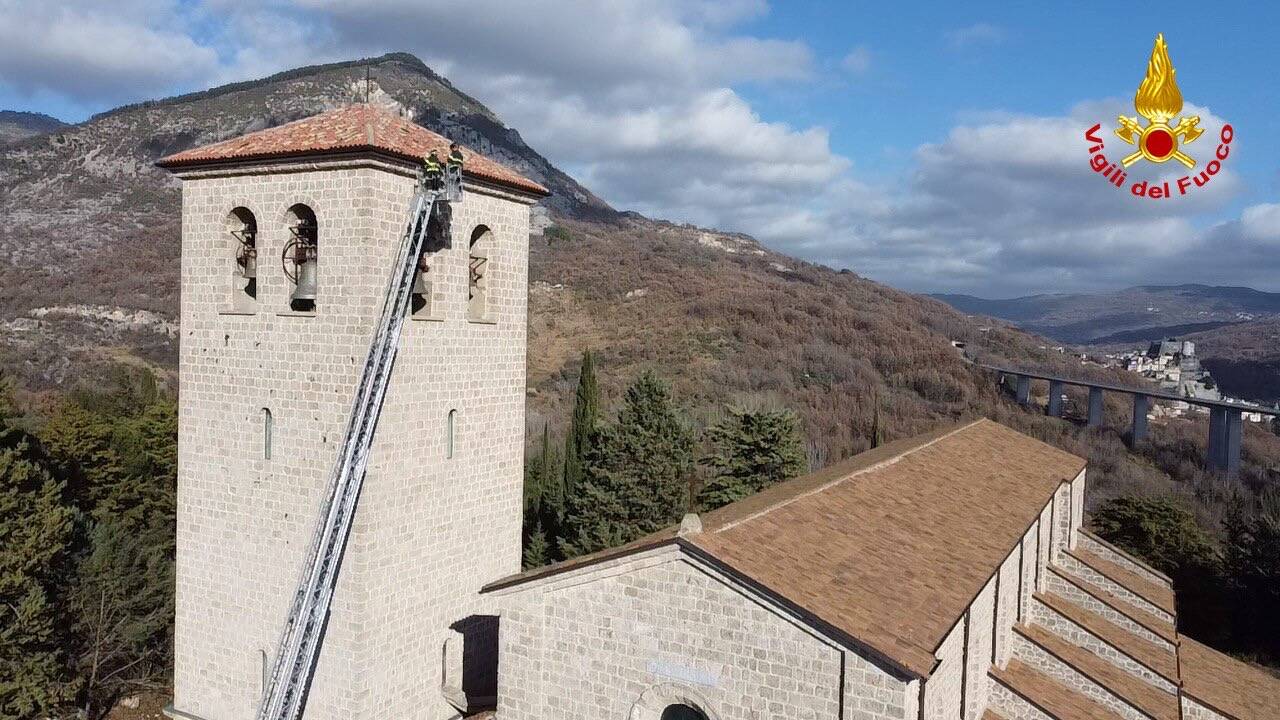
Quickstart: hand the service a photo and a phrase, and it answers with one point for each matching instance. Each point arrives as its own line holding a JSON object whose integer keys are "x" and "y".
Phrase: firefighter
{"x": 431, "y": 170}
{"x": 455, "y": 158}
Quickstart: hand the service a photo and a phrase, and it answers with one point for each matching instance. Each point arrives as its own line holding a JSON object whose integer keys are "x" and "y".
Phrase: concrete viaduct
{"x": 1226, "y": 425}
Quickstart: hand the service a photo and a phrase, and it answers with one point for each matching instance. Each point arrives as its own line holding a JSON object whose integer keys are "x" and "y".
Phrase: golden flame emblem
{"x": 1159, "y": 100}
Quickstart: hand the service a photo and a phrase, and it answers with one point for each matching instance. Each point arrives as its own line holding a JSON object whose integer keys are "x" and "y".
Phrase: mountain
{"x": 15, "y": 125}
{"x": 1132, "y": 315}
{"x": 90, "y": 233}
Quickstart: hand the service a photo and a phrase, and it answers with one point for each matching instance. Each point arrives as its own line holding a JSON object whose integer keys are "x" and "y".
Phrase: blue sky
{"x": 934, "y": 146}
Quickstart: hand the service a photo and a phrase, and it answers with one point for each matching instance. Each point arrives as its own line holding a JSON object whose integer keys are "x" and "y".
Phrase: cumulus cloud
{"x": 982, "y": 33}
{"x": 858, "y": 61}
{"x": 638, "y": 100}
{"x": 1009, "y": 205}
{"x": 99, "y": 53}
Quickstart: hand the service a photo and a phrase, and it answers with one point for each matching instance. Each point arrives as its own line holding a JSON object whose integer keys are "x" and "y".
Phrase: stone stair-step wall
{"x": 1073, "y": 565}
{"x": 1040, "y": 659}
{"x": 1059, "y": 585}
{"x": 1091, "y": 543}
{"x": 1050, "y": 619}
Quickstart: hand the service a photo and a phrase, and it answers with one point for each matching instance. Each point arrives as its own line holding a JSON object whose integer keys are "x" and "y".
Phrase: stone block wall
{"x": 430, "y": 529}
{"x": 982, "y": 638}
{"x": 626, "y": 638}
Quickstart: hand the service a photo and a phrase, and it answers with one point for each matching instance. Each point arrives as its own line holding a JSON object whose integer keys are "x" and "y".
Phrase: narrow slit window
{"x": 267, "y": 429}
{"x": 450, "y": 422}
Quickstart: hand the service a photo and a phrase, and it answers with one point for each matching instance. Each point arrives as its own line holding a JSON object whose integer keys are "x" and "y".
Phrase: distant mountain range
{"x": 1132, "y": 315}
{"x": 15, "y": 125}
{"x": 89, "y": 230}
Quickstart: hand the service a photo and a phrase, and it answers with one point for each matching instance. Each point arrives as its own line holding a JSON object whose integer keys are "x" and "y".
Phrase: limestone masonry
{"x": 941, "y": 577}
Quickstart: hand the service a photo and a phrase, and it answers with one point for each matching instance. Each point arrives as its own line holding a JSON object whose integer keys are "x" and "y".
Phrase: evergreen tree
{"x": 121, "y": 610}
{"x": 634, "y": 474}
{"x": 1252, "y": 560}
{"x": 543, "y": 502}
{"x": 537, "y": 549}
{"x": 586, "y": 410}
{"x": 749, "y": 452}
{"x": 35, "y": 530}
{"x": 82, "y": 449}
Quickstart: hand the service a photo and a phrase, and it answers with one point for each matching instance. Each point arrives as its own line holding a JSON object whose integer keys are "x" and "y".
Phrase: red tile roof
{"x": 350, "y": 129}
{"x": 1233, "y": 688}
{"x": 888, "y": 547}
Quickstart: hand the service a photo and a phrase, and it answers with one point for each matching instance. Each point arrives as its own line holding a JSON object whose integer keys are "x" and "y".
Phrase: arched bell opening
{"x": 301, "y": 258}
{"x": 242, "y": 228}
{"x": 479, "y": 268}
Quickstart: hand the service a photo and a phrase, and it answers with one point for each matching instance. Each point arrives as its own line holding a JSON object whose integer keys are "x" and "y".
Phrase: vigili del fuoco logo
{"x": 1159, "y": 102}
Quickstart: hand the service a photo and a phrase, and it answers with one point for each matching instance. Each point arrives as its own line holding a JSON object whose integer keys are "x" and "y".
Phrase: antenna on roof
{"x": 368, "y": 77}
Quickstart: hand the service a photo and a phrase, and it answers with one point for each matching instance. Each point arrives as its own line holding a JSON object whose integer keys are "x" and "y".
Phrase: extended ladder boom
{"x": 300, "y": 642}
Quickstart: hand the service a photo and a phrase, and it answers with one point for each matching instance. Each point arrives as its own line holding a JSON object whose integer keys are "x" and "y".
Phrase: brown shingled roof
{"x": 888, "y": 547}
{"x": 1233, "y": 688}
{"x": 349, "y": 129}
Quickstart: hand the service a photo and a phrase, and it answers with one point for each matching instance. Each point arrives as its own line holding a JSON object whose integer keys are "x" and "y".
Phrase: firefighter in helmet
{"x": 432, "y": 170}
{"x": 455, "y": 158}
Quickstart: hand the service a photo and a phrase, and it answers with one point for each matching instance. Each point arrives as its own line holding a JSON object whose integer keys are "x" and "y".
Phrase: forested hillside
{"x": 706, "y": 346}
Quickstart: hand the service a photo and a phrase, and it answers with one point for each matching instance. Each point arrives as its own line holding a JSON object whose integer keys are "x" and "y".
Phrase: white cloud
{"x": 637, "y": 100}
{"x": 858, "y": 61}
{"x": 95, "y": 52}
{"x": 981, "y": 33}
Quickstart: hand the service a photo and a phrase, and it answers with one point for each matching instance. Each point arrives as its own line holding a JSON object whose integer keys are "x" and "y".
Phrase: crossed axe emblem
{"x": 1158, "y": 142}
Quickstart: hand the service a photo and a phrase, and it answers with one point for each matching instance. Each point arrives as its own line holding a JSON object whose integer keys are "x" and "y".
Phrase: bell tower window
{"x": 243, "y": 228}
{"x": 682, "y": 712}
{"x": 301, "y": 258}
{"x": 479, "y": 268}
{"x": 420, "y": 301}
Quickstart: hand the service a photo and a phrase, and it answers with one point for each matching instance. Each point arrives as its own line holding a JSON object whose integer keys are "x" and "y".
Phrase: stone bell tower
{"x": 288, "y": 237}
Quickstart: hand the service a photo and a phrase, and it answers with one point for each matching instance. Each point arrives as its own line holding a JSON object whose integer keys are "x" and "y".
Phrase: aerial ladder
{"x": 299, "y": 646}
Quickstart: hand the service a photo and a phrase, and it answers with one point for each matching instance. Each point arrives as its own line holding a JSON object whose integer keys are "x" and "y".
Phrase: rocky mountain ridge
{"x": 1133, "y": 314}
{"x": 17, "y": 125}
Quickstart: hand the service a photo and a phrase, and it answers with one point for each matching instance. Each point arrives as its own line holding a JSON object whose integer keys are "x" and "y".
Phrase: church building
{"x": 942, "y": 577}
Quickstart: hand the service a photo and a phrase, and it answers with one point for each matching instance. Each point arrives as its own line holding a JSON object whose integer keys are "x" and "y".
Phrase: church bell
{"x": 306, "y": 287}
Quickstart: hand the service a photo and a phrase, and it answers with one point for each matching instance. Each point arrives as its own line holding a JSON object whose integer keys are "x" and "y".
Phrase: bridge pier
{"x": 1054, "y": 409}
{"x": 1095, "y": 406}
{"x": 1234, "y": 432}
{"x": 1024, "y": 390}
{"x": 1141, "y": 403}
{"x": 1217, "y": 437}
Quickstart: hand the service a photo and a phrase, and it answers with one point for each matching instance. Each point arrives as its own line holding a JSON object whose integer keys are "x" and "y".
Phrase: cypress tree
{"x": 586, "y": 409}
{"x": 35, "y": 531}
{"x": 634, "y": 473}
{"x": 543, "y": 502}
{"x": 749, "y": 452}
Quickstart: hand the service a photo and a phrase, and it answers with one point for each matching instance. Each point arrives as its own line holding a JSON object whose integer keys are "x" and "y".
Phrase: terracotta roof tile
{"x": 1135, "y": 691}
{"x": 1159, "y": 660}
{"x": 1048, "y": 695}
{"x": 349, "y": 129}
{"x": 1158, "y": 595}
{"x": 888, "y": 547}
{"x": 1159, "y": 626}
{"x": 1236, "y": 689}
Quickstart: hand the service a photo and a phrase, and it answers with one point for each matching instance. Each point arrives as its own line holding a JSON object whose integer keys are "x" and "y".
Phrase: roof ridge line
{"x": 836, "y": 481}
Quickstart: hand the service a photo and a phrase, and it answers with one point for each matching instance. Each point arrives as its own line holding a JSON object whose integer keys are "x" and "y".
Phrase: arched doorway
{"x": 682, "y": 712}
